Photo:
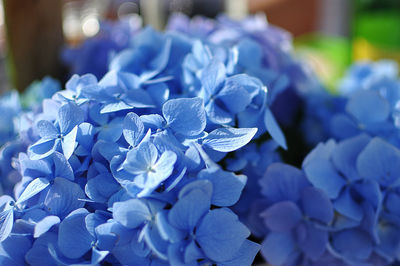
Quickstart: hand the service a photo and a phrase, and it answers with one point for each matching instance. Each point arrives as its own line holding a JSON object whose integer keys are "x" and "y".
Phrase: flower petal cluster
{"x": 123, "y": 169}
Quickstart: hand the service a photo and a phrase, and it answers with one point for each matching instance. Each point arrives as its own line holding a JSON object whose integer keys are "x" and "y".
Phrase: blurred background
{"x": 329, "y": 34}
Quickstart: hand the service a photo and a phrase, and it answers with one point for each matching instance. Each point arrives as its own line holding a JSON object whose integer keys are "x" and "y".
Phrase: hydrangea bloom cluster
{"x": 168, "y": 154}
{"x": 123, "y": 169}
{"x": 348, "y": 114}
{"x": 340, "y": 209}
{"x": 16, "y": 126}
{"x": 262, "y": 50}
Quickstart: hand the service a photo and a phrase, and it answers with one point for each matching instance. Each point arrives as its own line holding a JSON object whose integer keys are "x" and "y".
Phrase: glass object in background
{"x": 376, "y": 29}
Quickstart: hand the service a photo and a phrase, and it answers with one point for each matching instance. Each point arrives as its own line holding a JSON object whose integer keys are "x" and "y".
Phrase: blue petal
{"x": 13, "y": 250}
{"x": 277, "y": 247}
{"x": 131, "y": 213}
{"x": 139, "y": 98}
{"x": 74, "y": 240}
{"x": 283, "y": 182}
{"x": 161, "y": 171}
{"x": 155, "y": 242}
{"x": 229, "y": 139}
{"x": 166, "y": 231}
{"x": 47, "y": 130}
{"x": 188, "y": 210}
{"x": 98, "y": 256}
{"x": 379, "y": 161}
{"x": 323, "y": 211}
{"x": 322, "y": 175}
{"x": 347, "y": 206}
{"x": 35, "y": 186}
{"x": 185, "y": 116}
{"x": 221, "y": 234}
{"x": 43, "y": 148}
{"x": 227, "y": 187}
{"x": 44, "y": 225}
{"x": 139, "y": 160}
{"x": 360, "y": 103}
{"x": 63, "y": 197}
{"x": 273, "y": 128}
{"x": 345, "y": 154}
{"x": 6, "y": 223}
{"x": 315, "y": 242}
{"x": 245, "y": 255}
{"x": 282, "y": 216}
{"x": 69, "y": 116}
{"x": 212, "y": 77}
{"x": 133, "y": 129}
{"x": 101, "y": 187}
{"x": 234, "y": 94}
{"x": 68, "y": 143}
{"x": 62, "y": 168}
{"x": 218, "y": 115}
{"x": 353, "y": 244}
{"x": 112, "y": 131}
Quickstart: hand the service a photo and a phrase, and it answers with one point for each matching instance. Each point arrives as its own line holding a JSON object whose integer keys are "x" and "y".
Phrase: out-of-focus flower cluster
{"x": 168, "y": 151}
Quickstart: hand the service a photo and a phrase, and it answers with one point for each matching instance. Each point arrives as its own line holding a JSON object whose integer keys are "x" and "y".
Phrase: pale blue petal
{"x": 62, "y": 168}
{"x": 131, "y": 213}
{"x": 273, "y": 128}
{"x": 185, "y": 116}
{"x": 63, "y": 197}
{"x": 69, "y": 116}
{"x": 47, "y": 130}
{"x": 212, "y": 77}
{"x": 68, "y": 143}
{"x": 45, "y": 225}
{"x": 6, "y": 223}
{"x": 227, "y": 187}
{"x": 359, "y": 105}
{"x": 133, "y": 129}
{"x": 34, "y": 187}
{"x": 229, "y": 139}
